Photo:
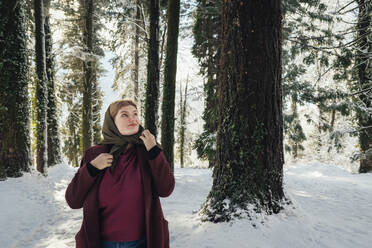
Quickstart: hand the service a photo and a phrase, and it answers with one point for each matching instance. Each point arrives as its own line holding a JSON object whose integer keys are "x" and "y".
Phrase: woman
{"x": 119, "y": 183}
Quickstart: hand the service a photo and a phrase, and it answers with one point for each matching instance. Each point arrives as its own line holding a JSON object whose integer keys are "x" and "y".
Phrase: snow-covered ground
{"x": 331, "y": 208}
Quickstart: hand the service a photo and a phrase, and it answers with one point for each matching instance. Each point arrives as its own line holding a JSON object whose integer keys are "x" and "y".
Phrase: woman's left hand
{"x": 148, "y": 139}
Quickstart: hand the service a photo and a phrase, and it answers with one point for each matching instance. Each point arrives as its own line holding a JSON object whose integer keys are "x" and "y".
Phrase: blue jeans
{"x": 130, "y": 244}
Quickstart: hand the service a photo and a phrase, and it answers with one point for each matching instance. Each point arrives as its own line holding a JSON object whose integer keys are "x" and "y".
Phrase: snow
{"x": 331, "y": 208}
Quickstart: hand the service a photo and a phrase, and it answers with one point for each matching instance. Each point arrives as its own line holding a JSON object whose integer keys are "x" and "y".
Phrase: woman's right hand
{"x": 102, "y": 161}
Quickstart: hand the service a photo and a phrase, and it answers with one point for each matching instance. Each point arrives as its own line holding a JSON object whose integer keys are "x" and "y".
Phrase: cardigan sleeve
{"x": 163, "y": 179}
{"x": 80, "y": 184}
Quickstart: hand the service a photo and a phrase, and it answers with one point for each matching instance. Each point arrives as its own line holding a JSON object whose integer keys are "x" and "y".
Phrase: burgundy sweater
{"x": 120, "y": 197}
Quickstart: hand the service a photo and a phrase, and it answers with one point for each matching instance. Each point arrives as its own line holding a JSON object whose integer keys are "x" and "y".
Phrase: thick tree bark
{"x": 88, "y": 75}
{"x": 41, "y": 89}
{"x": 249, "y": 159}
{"x": 169, "y": 87}
{"x": 364, "y": 67}
{"x": 54, "y": 148}
{"x": 152, "y": 85}
{"x": 15, "y": 154}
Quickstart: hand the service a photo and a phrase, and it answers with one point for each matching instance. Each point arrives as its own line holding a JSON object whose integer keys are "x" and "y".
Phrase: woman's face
{"x": 126, "y": 120}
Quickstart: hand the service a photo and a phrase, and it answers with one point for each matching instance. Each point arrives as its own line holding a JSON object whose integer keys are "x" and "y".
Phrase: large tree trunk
{"x": 88, "y": 74}
{"x": 364, "y": 66}
{"x": 15, "y": 154}
{"x": 169, "y": 88}
{"x": 249, "y": 159}
{"x": 54, "y": 150}
{"x": 152, "y": 85}
{"x": 41, "y": 89}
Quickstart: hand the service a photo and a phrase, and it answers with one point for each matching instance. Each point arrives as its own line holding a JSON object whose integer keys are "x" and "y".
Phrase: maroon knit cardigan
{"x": 157, "y": 179}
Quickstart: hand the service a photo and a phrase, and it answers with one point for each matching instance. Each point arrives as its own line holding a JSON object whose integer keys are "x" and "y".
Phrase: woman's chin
{"x": 131, "y": 131}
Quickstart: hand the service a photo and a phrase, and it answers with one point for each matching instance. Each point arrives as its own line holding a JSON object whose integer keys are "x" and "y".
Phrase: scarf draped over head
{"x": 112, "y": 136}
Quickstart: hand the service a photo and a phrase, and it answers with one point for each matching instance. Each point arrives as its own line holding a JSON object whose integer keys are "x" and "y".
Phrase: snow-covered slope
{"x": 331, "y": 208}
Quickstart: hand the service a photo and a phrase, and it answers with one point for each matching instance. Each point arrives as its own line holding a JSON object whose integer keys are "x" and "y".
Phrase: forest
{"x": 242, "y": 93}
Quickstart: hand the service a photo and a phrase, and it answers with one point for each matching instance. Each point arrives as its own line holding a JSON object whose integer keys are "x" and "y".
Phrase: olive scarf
{"x": 111, "y": 135}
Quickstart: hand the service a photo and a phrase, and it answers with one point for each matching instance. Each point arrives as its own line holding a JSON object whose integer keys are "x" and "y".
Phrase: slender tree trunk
{"x": 41, "y": 88}
{"x": 249, "y": 159}
{"x": 54, "y": 150}
{"x": 15, "y": 154}
{"x": 319, "y": 142}
{"x": 364, "y": 67}
{"x": 162, "y": 45}
{"x": 152, "y": 86}
{"x": 88, "y": 75}
{"x": 294, "y": 142}
{"x": 183, "y": 124}
{"x": 333, "y": 116}
{"x": 136, "y": 52}
{"x": 169, "y": 88}
{"x": 181, "y": 139}
{"x": 96, "y": 115}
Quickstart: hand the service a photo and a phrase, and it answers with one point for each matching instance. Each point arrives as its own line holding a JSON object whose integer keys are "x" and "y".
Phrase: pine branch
{"x": 344, "y": 7}
{"x": 362, "y": 91}
{"x": 350, "y": 43}
{"x": 360, "y": 129}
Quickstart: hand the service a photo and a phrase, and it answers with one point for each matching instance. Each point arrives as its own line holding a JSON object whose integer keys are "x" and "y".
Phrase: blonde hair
{"x": 117, "y": 105}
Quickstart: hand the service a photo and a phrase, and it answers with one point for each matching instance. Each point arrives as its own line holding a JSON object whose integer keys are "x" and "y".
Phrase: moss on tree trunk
{"x": 152, "y": 85}
{"x": 249, "y": 158}
{"x": 41, "y": 89}
{"x": 169, "y": 88}
{"x": 15, "y": 151}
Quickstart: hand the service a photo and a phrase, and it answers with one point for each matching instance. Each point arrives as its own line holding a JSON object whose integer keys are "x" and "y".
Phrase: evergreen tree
{"x": 72, "y": 133}
{"x": 308, "y": 42}
{"x": 41, "y": 88}
{"x": 152, "y": 85}
{"x": 87, "y": 7}
{"x": 130, "y": 45}
{"x": 136, "y": 52}
{"x": 306, "y": 31}
{"x": 15, "y": 156}
{"x": 72, "y": 79}
{"x": 54, "y": 150}
{"x": 293, "y": 128}
{"x": 182, "y": 124}
{"x": 169, "y": 86}
{"x": 206, "y": 48}
{"x": 72, "y": 62}
{"x": 129, "y": 40}
{"x": 351, "y": 69}
{"x": 97, "y": 99}
{"x": 249, "y": 162}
